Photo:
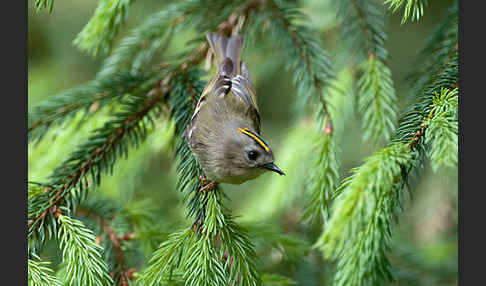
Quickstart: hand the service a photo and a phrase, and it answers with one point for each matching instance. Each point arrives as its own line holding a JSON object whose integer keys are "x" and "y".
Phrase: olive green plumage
{"x": 224, "y": 131}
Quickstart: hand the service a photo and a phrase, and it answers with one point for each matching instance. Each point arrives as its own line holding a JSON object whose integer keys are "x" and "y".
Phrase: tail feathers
{"x": 233, "y": 51}
{"x": 224, "y": 47}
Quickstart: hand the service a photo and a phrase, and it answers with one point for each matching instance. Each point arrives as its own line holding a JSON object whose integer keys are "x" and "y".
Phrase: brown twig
{"x": 423, "y": 125}
{"x": 116, "y": 242}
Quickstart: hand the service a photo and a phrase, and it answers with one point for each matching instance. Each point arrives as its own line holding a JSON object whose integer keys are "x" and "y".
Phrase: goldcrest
{"x": 224, "y": 131}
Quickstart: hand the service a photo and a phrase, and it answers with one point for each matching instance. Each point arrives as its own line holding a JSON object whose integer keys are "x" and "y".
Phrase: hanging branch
{"x": 359, "y": 232}
{"x": 324, "y": 175}
{"x": 377, "y": 100}
{"x": 362, "y": 22}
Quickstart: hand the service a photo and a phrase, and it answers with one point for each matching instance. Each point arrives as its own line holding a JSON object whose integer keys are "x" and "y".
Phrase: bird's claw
{"x": 203, "y": 181}
{"x": 209, "y": 186}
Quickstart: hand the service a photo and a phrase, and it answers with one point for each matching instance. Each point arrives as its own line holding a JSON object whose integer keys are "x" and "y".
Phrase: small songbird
{"x": 224, "y": 131}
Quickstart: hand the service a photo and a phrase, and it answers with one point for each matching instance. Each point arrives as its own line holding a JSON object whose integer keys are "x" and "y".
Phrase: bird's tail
{"x": 224, "y": 47}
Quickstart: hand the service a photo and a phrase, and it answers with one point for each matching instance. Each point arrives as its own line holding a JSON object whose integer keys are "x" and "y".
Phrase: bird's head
{"x": 249, "y": 155}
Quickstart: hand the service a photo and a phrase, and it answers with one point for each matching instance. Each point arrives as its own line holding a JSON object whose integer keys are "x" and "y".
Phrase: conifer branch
{"x": 81, "y": 255}
{"x": 324, "y": 169}
{"x": 363, "y": 25}
{"x": 74, "y": 177}
{"x": 324, "y": 172}
{"x": 377, "y": 100}
{"x": 324, "y": 176}
{"x": 217, "y": 252}
{"x": 39, "y": 274}
{"x": 414, "y": 9}
{"x": 359, "y": 231}
{"x": 99, "y": 33}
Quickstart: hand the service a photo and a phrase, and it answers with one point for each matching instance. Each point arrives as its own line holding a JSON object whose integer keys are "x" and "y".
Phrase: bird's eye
{"x": 253, "y": 155}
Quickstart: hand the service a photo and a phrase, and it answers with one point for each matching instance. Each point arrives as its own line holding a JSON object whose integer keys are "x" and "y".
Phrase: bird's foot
{"x": 208, "y": 187}
{"x": 204, "y": 181}
{"x": 206, "y": 184}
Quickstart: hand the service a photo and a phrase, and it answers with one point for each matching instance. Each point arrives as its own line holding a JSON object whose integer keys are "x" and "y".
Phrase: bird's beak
{"x": 274, "y": 168}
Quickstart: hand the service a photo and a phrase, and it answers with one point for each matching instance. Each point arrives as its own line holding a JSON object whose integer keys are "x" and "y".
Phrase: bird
{"x": 224, "y": 130}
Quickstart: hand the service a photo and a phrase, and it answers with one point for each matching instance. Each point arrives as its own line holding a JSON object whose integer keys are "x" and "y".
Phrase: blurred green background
{"x": 426, "y": 239}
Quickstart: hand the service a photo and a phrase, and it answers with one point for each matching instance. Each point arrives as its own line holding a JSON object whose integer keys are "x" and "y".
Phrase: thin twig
{"x": 115, "y": 240}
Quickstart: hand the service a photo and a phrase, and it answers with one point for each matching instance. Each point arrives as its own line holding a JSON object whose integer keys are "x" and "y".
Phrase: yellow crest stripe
{"x": 257, "y": 139}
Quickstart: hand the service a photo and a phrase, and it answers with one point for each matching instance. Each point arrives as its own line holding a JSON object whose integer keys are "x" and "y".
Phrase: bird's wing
{"x": 243, "y": 90}
{"x": 249, "y": 83}
{"x": 219, "y": 85}
{"x": 226, "y": 51}
{"x": 232, "y": 82}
